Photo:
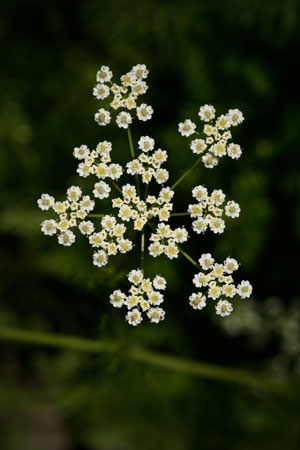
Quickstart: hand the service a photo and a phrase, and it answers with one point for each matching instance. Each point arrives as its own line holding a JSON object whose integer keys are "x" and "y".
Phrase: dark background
{"x": 233, "y": 55}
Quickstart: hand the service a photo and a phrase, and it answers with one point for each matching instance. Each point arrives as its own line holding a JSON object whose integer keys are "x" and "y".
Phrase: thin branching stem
{"x": 116, "y": 186}
{"x": 186, "y": 173}
{"x": 142, "y": 249}
{"x": 188, "y": 257}
{"x": 133, "y": 157}
{"x": 180, "y": 214}
{"x": 96, "y": 215}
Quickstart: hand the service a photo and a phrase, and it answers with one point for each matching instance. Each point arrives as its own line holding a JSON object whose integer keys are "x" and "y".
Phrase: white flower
{"x": 133, "y": 301}
{"x": 229, "y": 290}
{"x": 128, "y": 191}
{"x": 223, "y": 122}
{"x": 86, "y": 227}
{"x": 235, "y": 116}
{"x": 84, "y": 169}
{"x": 139, "y": 88}
{"x": 118, "y": 230}
{"x": 159, "y": 157}
{"x": 207, "y": 113}
{"x": 159, "y": 282}
{"x": 134, "y": 317}
{"x": 230, "y": 265}
{"x": 140, "y": 71}
{"x": 101, "y": 91}
{"x": 117, "y": 298}
{"x": 125, "y": 212}
{"x": 87, "y": 204}
{"x": 186, "y": 128}
{"x": 155, "y": 249}
{"x": 139, "y": 223}
{"x": 81, "y": 152}
{"x": 146, "y": 143}
{"x": 123, "y": 119}
{"x": 200, "y": 225}
{"x": 197, "y": 301}
{"x": 209, "y": 160}
{"x": 67, "y": 238}
{"x": 195, "y": 210}
{"x": 63, "y": 225}
{"x": 164, "y": 230}
{"x": 96, "y": 239}
{"x": 218, "y": 196}
{"x": 144, "y": 112}
{"x": 156, "y": 315}
{"x": 161, "y": 176}
{"x": 166, "y": 194}
{"x": 224, "y": 308}
{"x": 108, "y": 222}
{"x": 49, "y": 227}
{"x": 198, "y": 146}
{"x": 100, "y": 258}
{"x": 232, "y": 209}
{"x": 102, "y": 117}
{"x": 217, "y": 225}
{"x": 234, "y": 151}
{"x": 180, "y": 235}
{"x": 46, "y": 202}
{"x": 61, "y": 207}
{"x": 124, "y": 245}
{"x": 200, "y": 193}
{"x": 171, "y": 250}
{"x": 214, "y": 291}
{"x": 101, "y": 170}
{"x": 200, "y": 279}
{"x": 115, "y": 171}
{"x": 135, "y": 276}
{"x": 74, "y": 193}
{"x": 209, "y": 130}
{"x": 134, "y": 167}
{"x": 101, "y": 190}
{"x": 206, "y": 261}
{"x": 244, "y": 289}
{"x": 219, "y": 149}
{"x": 104, "y": 74}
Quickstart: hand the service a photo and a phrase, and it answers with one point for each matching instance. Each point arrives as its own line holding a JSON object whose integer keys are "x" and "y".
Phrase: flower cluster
{"x": 135, "y": 206}
{"x": 132, "y": 208}
{"x": 208, "y": 211}
{"x": 218, "y": 283}
{"x": 124, "y": 95}
{"x": 71, "y": 213}
{"x": 214, "y": 142}
{"x": 147, "y": 165}
{"x": 143, "y": 297}
{"x": 110, "y": 240}
{"x": 165, "y": 241}
{"x": 98, "y": 162}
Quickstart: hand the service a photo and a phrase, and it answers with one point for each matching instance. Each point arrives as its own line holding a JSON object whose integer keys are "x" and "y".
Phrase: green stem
{"x": 96, "y": 215}
{"x": 130, "y": 143}
{"x": 116, "y": 186}
{"x": 146, "y": 191}
{"x": 180, "y": 214}
{"x": 188, "y": 257}
{"x": 142, "y": 249}
{"x": 133, "y": 157}
{"x": 157, "y": 359}
{"x": 186, "y": 173}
